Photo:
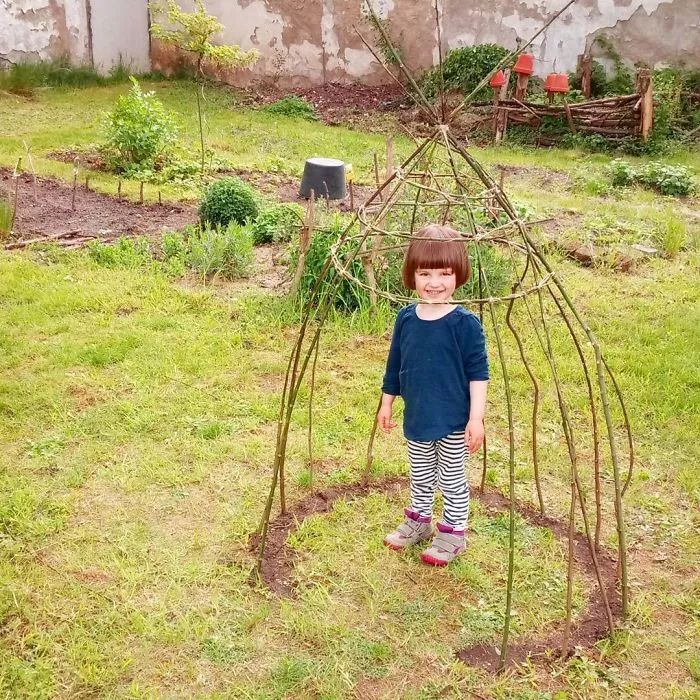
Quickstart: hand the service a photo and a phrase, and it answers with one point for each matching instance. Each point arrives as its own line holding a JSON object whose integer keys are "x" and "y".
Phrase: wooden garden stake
{"x": 15, "y": 177}
{"x": 141, "y": 193}
{"x": 305, "y": 236}
{"x": 160, "y": 199}
{"x": 75, "y": 181}
{"x": 119, "y": 188}
{"x": 87, "y": 183}
{"x": 389, "y": 156}
{"x": 31, "y": 166}
{"x": 376, "y": 172}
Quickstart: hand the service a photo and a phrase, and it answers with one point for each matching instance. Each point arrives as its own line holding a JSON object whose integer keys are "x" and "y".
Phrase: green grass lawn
{"x": 138, "y": 424}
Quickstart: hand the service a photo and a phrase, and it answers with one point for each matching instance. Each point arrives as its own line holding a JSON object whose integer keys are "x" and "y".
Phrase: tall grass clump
{"x": 6, "y": 218}
{"x": 25, "y": 76}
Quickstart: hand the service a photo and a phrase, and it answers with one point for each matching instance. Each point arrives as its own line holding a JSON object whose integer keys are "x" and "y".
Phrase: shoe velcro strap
{"x": 448, "y": 542}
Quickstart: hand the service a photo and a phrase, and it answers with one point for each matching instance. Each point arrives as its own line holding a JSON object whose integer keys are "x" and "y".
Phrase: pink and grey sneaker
{"x": 447, "y": 544}
{"x": 416, "y": 528}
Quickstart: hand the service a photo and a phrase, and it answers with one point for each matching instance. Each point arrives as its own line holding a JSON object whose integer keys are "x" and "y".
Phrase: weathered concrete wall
{"x": 43, "y": 29}
{"x": 120, "y": 33}
{"x": 309, "y": 41}
{"x": 99, "y": 31}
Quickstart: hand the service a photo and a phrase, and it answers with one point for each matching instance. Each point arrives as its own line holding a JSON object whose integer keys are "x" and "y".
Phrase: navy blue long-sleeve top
{"x": 430, "y": 365}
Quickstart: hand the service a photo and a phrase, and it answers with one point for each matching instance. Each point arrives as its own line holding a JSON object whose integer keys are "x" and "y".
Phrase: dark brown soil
{"x": 336, "y": 103}
{"x": 95, "y": 215}
{"x": 51, "y": 215}
{"x": 278, "y": 563}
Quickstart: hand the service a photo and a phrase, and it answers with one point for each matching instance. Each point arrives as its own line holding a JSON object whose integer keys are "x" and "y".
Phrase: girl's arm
{"x": 384, "y": 414}
{"x": 474, "y": 434}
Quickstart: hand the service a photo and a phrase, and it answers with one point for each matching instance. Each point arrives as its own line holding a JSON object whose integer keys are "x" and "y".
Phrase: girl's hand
{"x": 384, "y": 421}
{"x": 474, "y": 435}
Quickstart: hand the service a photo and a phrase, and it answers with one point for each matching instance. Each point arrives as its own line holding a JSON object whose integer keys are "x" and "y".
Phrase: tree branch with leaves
{"x": 192, "y": 32}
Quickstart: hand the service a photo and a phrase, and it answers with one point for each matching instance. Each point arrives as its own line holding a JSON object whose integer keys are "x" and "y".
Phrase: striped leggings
{"x": 440, "y": 464}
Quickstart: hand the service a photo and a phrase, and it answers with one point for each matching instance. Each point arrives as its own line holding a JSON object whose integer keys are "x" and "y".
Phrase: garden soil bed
{"x": 51, "y": 215}
{"x": 591, "y": 627}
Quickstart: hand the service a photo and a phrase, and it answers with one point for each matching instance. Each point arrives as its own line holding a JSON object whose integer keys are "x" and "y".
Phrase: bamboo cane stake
{"x": 505, "y": 204}
{"x": 535, "y": 398}
{"x": 511, "y": 477}
{"x": 15, "y": 177}
{"x": 310, "y": 415}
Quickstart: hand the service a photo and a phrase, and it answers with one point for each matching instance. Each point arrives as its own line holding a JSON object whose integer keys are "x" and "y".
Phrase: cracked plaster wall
{"x": 309, "y": 41}
{"x": 43, "y": 29}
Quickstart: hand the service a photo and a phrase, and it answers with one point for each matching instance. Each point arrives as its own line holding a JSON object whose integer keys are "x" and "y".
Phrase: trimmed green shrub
{"x": 226, "y": 200}
{"x": 464, "y": 69}
{"x": 292, "y": 106}
{"x": 277, "y": 223}
{"x": 139, "y": 128}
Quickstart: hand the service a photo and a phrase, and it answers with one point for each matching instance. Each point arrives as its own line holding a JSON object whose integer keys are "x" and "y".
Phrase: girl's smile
{"x": 436, "y": 285}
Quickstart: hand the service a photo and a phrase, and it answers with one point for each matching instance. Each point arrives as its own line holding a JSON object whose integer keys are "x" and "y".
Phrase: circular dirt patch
{"x": 278, "y": 564}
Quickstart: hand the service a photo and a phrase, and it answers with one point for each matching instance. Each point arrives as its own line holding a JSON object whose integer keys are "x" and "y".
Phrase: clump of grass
{"x": 671, "y": 235}
{"x": 25, "y": 76}
{"x": 293, "y": 106}
{"x": 6, "y": 218}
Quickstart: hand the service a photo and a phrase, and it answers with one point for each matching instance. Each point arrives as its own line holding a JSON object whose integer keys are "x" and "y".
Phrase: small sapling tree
{"x": 192, "y": 32}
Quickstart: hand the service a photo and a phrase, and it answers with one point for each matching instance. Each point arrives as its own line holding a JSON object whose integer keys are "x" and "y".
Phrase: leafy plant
{"x": 226, "y": 200}
{"x": 292, "y": 106}
{"x": 675, "y": 180}
{"x": 277, "y": 223}
{"x": 139, "y": 127}
{"x": 621, "y": 173}
{"x": 225, "y": 251}
{"x": 192, "y": 32}
{"x": 464, "y": 69}
{"x": 348, "y": 296}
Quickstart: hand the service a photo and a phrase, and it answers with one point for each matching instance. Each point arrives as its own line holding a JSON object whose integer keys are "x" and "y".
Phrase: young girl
{"x": 437, "y": 363}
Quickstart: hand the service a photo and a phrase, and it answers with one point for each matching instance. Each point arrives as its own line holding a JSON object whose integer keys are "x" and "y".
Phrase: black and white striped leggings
{"x": 440, "y": 464}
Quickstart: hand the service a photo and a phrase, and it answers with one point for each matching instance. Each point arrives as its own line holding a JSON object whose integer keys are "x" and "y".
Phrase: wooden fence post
{"x": 646, "y": 99}
{"x": 586, "y": 74}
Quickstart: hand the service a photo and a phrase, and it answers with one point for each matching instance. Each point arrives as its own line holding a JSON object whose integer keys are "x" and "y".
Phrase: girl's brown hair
{"x": 435, "y": 247}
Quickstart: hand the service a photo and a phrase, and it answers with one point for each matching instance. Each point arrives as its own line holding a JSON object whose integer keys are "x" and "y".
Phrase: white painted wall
{"x": 120, "y": 32}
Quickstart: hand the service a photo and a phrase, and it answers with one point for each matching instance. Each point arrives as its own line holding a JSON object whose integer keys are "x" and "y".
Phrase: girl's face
{"x": 435, "y": 284}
